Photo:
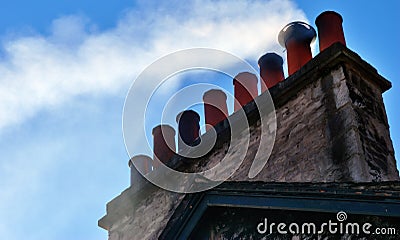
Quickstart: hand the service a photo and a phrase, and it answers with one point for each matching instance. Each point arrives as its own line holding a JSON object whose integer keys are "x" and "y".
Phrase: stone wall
{"x": 300, "y": 153}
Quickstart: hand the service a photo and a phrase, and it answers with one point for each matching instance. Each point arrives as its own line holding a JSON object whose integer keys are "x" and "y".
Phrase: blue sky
{"x": 66, "y": 67}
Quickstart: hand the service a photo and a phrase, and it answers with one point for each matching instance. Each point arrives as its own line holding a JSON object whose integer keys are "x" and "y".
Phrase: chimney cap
{"x": 191, "y": 113}
{"x": 164, "y": 127}
{"x": 270, "y": 61}
{"x": 140, "y": 156}
{"x": 214, "y": 92}
{"x": 247, "y": 76}
{"x": 300, "y": 31}
{"x": 326, "y": 13}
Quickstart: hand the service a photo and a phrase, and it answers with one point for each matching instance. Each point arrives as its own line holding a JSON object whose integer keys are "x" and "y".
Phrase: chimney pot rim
{"x": 211, "y": 92}
{"x": 326, "y": 13}
{"x": 250, "y": 76}
{"x": 164, "y": 126}
{"x": 139, "y": 156}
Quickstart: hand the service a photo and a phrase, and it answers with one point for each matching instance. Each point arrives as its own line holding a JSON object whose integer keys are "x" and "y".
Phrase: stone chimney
{"x": 331, "y": 127}
{"x": 331, "y": 123}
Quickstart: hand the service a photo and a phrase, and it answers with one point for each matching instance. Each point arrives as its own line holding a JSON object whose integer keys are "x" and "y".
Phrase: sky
{"x": 65, "y": 70}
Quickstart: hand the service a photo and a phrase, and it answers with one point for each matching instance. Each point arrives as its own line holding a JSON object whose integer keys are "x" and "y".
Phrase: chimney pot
{"x": 215, "y": 108}
{"x": 245, "y": 89}
{"x": 163, "y": 144}
{"x": 271, "y": 70}
{"x": 143, "y": 163}
{"x": 330, "y": 29}
{"x": 296, "y": 37}
{"x": 188, "y": 128}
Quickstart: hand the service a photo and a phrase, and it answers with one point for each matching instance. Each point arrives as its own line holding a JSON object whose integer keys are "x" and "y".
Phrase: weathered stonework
{"x": 331, "y": 127}
{"x": 139, "y": 213}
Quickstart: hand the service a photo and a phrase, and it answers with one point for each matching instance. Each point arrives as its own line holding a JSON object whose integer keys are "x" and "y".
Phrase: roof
{"x": 379, "y": 199}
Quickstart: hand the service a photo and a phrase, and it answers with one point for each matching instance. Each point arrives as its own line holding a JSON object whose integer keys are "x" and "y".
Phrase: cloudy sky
{"x": 66, "y": 67}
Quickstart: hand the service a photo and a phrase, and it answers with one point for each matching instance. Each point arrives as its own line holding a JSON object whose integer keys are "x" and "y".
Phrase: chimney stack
{"x": 163, "y": 144}
{"x": 330, "y": 29}
{"x": 296, "y": 37}
{"x": 271, "y": 70}
{"x": 143, "y": 163}
{"x": 188, "y": 128}
{"x": 245, "y": 89}
{"x": 215, "y": 108}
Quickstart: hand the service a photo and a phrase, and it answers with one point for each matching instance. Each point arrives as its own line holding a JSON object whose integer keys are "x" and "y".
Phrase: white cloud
{"x": 40, "y": 71}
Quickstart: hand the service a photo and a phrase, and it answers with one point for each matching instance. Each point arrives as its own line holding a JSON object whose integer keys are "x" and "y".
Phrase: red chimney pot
{"x": 163, "y": 144}
{"x": 271, "y": 70}
{"x": 296, "y": 37}
{"x": 143, "y": 163}
{"x": 245, "y": 89}
{"x": 330, "y": 29}
{"x": 215, "y": 108}
{"x": 188, "y": 128}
